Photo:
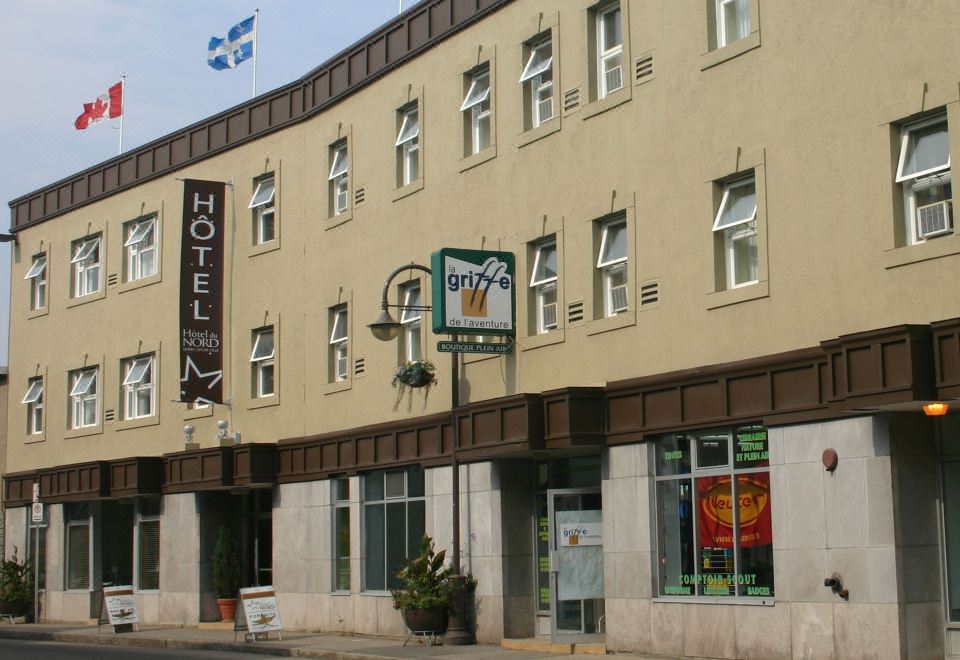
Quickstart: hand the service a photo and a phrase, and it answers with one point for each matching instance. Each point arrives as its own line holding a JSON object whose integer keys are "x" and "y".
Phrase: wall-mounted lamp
{"x": 830, "y": 459}
{"x": 223, "y": 437}
{"x": 188, "y": 437}
{"x": 936, "y": 409}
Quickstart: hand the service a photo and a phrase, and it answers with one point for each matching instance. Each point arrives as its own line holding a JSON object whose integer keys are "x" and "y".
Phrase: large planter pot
{"x": 228, "y": 608}
{"x": 13, "y": 608}
{"x": 430, "y": 620}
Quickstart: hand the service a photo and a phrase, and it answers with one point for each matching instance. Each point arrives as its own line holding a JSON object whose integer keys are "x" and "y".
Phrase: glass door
{"x": 576, "y": 564}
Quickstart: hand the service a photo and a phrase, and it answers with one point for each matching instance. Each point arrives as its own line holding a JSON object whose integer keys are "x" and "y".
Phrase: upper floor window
{"x": 923, "y": 170}
{"x": 84, "y": 398}
{"x": 609, "y": 50}
{"x": 408, "y": 146}
{"x": 537, "y": 78}
{"x": 476, "y": 112}
{"x": 411, "y": 316}
{"x": 612, "y": 266}
{"x": 339, "y": 344}
{"x": 37, "y": 276}
{"x": 736, "y": 226}
{"x": 543, "y": 282}
{"x": 33, "y": 400}
{"x": 86, "y": 266}
{"x": 733, "y": 21}
{"x": 339, "y": 177}
{"x": 141, "y": 249}
{"x": 138, "y": 387}
{"x": 262, "y": 363}
{"x": 262, "y": 206}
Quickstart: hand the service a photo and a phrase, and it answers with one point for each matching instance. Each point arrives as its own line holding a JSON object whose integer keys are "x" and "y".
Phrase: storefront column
{"x": 180, "y": 559}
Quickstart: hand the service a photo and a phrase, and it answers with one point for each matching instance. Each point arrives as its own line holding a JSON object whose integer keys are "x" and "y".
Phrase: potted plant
{"x": 16, "y": 588}
{"x": 414, "y": 375}
{"x": 423, "y": 596}
{"x": 226, "y": 573}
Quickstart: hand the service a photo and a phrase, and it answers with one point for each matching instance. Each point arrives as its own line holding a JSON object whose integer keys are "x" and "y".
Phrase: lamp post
{"x": 386, "y": 328}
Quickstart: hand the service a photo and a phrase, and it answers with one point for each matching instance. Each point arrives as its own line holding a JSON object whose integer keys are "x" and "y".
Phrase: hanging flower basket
{"x": 419, "y": 374}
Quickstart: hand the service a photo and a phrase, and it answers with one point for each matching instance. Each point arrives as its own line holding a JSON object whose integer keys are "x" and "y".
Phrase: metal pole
{"x": 256, "y": 28}
{"x": 123, "y": 108}
{"x": 455, "y": 433}
{"x": 36, "y": 576}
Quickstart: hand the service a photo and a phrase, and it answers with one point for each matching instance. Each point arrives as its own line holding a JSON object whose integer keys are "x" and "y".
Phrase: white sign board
{"x": 580, "y": 533}
{"x": 121, "y": 605}
{"x": 260, "y": 609}
{"x": 36, "y": 492}
{"x": 473, "y": 292}
{"x": 36, "y": 512}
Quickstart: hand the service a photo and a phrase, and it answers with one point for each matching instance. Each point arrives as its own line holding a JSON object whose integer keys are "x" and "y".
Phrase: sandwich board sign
{"x": 261, "y": 615}
{"x": 473, "y": 292}
{"x": 121, "y": 608}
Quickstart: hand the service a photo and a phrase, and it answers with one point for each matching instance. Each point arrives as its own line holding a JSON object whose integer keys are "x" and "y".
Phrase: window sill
{"x": 338, "y": 386}
{"x": 469, "y": 162}
{"x": 531, "y": 342}
{"x": 125, "y": 424}
{"x": 717, "y": 299}
{"x": 37, "y": 313}
{"x": 263, "y": 248}
{"x": 83, "y": 432}
{"x": 198, "y": 413}
{"x": 932, "y": 249}
{"x": 34, "y": 438}
{"x": 538, "y": 133}
{"x": 138, "y": 284}
{"x": 609, "y": 323}
{"x": 263, "y": 402}
{"x": 89, "y": 298}
{"x": 728, "y": 52}
{"x": 407, "y": 190}
{"x": 608, "y": 102}
{"x": 337, "y": 220}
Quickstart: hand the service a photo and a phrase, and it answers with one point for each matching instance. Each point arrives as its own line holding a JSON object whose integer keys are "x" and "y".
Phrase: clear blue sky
{"x": 57, "y": 55}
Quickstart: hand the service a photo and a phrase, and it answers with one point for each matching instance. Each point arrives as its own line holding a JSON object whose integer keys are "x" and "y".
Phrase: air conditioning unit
{"x": 342, "y": 368}
{"x": 618, "y": 298}
{"x": 934, "y": 219}
{"x": 614, "y": 79}
{"x": 550, "y": 316}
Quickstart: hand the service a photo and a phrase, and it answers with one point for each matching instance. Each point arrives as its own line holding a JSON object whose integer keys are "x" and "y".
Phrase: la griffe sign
{"x": 473, "y": 292}
{"x": 201, "y": 292}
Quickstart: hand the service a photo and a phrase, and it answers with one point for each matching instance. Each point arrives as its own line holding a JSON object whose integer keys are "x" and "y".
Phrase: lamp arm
{"x": 386, "y": 285}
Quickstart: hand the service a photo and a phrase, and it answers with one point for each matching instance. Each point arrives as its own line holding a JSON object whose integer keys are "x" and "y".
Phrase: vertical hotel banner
{"x": 201, "y": 292}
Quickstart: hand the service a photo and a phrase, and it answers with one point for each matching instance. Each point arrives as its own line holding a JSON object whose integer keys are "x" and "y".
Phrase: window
{"x": 339, "y": 344}
{"x": 924, "y": 172}
{"x": 141, "y": 249}
{"x": 37, "y": 275}
{"x": 341, "y": 533}
{"x": 543, "y": 282}
{"x": 148, "y": 544}
{"x": 339, "y": 177}
{"x": 262, "y": 363}
{"x": 86, "y": 266}
{"x": 411, "y": 315}
{"x": 84, "y": 398}
{"x": 262, "y": 206}
{"x": 537, "y": 79}
{"x": 408, "y": 146}
{"x": 394, "y": 520}
{"x": 138, "y": 387}
{"x": 476, "y": 112}
{"x": 733, "y": 21}
{"x": 33, "y": 400}
{"x": 36, "y": 550}
{"x": 77, "y": 553}
{"x": 609, "y": 50}
{"x": 706, "y": 545}
{"x": 736, "y": 226}
{"x": 612, "y": 266}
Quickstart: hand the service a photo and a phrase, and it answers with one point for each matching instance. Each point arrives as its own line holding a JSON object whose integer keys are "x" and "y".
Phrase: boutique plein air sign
{"x": 473, "y": 292}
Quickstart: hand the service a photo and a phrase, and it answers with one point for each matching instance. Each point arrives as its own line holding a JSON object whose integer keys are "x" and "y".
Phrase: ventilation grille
{"x": 359, "y": 367}
{"x": 643, "y": 68}
{"x": 649, "y": 294}
{"x": 934, "y": 219}
{"x": 359, "y": 195}
{"x": 571, "y": 100}
{"x": 109, "y": 415}
{"x": 575, "y": 312}
{"x": 113, "y": 279}
{"x": 618, "y": 298}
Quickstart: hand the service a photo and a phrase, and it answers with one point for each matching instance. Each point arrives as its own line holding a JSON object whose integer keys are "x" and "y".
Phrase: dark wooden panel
{"x": 748, "y": 395}
{"x": 255, "y": 463}
{"x": 218, "y": 134}
{"x": 18, "y": 488}
{"x": 74, "y": 483}
{"x": 508, "y": 425}
{"x": 946, "y": 348}
{"x": 136, "y": 476}
{"x": 198, "y": 470}
{"x": 573, "y": 417}
{"x": 702, "y": 401}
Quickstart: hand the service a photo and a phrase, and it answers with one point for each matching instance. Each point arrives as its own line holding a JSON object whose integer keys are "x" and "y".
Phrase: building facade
{"x": 735, "y": 255}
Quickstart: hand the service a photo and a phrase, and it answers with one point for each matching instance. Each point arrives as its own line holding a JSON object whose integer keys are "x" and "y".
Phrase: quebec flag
{"x": 237, "y": 47}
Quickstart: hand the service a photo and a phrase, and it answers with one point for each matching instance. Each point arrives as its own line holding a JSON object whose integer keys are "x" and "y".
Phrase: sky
{"x": 59, "y": 54}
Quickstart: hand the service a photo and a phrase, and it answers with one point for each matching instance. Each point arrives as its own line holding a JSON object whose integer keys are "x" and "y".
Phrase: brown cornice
{"x": 946, "y": 358}
{"x": 18, "y": 488}
{"x": 386, "y": 48}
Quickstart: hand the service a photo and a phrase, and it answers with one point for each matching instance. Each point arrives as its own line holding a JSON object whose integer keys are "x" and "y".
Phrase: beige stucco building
{"x": 735, "y": 251}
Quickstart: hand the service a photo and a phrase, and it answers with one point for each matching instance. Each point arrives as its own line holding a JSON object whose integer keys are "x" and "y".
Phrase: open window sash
{"x": 262, "y": 347}
{"x": 341, "y": 163}
{"x": 339, "y": 332}
{"x": 263, "y": 194}
{"x": 139, "y": 232}
{"x": 84, "y": 383}
{"x": 737, "y": 206}
{"x": 138, "y": 372}
{"x": 37, "y": 269}
{"x": 924, "y": 149}
{"x": 479, "y": 91}
{"x": 411, "y": 311}
{"x": 613, "y": 244}
{"x": 409, "y": 129}
{"x": 544, "y": 265}
{"x": 540, "y": 61}
{"x": 34, "y": 392}
{"x": 85, "y": 250}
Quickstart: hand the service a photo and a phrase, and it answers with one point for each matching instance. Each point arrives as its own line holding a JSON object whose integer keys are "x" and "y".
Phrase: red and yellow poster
{"x": 716, "y": 511}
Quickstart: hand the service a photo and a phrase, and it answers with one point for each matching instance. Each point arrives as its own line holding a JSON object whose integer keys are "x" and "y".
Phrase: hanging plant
{"x": 419, "y": 374}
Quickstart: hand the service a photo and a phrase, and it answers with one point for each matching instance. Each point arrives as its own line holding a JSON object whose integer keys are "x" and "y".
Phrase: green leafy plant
{"x": 424, "y": 583}
{"x": 226, "y": 566}
{"x": 16, "y": 586}
{"x": 418, "y": 374}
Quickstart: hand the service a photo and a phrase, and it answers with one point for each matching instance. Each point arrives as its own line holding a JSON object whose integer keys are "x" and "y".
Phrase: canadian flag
{"x": 108, "y": 105}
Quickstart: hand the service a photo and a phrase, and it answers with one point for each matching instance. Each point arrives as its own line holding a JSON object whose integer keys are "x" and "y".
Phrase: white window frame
{"x": 736, "y": 229}
{"x": 477, "y": 102}
{"x": 33, "y": 400}
{"x": 741, "y": 18}
{"x": 339, "y": 177}
{"x": 613, "y": 269}
{"x": 262, "y": 205}
{"x": 917, "y": 182}
{"x": 86, "y": 266}
{"x": 139, "y": 391}
{"x": 538, "y": 74}
{"x": 340, "y": 343}
{"x": 608, "y": 55}
{"x": 84, "y": 397}
{"x": 38, "y": 282}
{"x": 411, "y": 318}
{"x": 141, "y": 242}
{"x": 545, "y": 286}
{"x": 262, "y": 362}
{"x": 408, "y": 145}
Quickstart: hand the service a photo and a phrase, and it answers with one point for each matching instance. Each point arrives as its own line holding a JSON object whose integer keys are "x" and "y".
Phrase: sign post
{"x": 36, "y": 516}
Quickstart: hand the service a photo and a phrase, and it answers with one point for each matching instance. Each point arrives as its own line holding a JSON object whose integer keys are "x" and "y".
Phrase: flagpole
{"x": 256, "y": 28}
{"x": 123, "y": 107}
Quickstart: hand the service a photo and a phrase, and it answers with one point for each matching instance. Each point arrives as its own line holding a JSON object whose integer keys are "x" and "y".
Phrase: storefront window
{"x": 77, "y": 522}
{"x": 341, "y": 533}
{"x": 37, "y": 546}
{"x": 708, "y": 545}
{"x": 394, "y": 519}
